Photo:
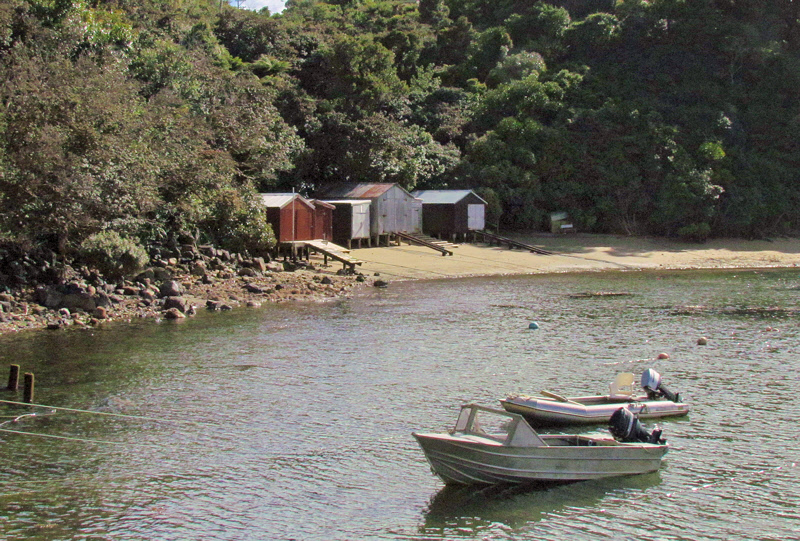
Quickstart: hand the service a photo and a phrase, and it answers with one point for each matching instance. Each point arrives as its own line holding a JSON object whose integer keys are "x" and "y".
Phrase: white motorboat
{"x": 511, "y": 451}
{"x": 552, "y": 409}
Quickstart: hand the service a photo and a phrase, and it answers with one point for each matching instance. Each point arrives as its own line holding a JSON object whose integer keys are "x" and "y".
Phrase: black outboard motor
{"x": 624, "y": 426}
{"x": 651, "y": 382}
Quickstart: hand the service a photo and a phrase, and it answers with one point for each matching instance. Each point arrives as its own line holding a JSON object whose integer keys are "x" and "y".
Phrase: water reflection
{"x": 460, "y": 509}
{"x": 295, "y": 420}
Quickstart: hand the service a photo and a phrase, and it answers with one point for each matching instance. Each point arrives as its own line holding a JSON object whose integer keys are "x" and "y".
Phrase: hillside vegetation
{"x": 127, "y": 123}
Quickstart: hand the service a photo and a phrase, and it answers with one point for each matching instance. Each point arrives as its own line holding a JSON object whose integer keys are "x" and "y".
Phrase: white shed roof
{"x": 280, "y": 200}
{"x": 347, "y": 201}
{"x": 444, "y": 196}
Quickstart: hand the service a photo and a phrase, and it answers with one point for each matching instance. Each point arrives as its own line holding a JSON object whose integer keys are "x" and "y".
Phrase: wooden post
{"x": 27, "y": 393}
{"x": 13, "y": 378}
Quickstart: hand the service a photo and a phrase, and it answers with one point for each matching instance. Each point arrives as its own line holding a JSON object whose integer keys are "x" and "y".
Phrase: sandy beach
{"x": 575, "y": 253}
{"x": 568, "y": 253}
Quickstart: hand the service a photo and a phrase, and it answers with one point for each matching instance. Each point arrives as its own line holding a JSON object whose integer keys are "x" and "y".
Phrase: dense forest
{"x": 124, "y": 123}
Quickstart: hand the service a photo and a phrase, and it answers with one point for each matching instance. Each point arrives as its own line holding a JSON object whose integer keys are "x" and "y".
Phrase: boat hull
{"x": 588, "y": 410}
{"x": 464, "y": 461}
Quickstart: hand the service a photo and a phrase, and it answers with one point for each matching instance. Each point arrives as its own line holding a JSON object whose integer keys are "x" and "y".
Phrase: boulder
{"x": 100, "y": 312}
{"x": 143, "y": 277}
{"x": 252, "y": 288}
{"x": 259, "y": 264}
{"x": 198, "y": 268}
{"x": 148, "y": 295}
{"x": 78, "y": 301}
{"x": 207, "y": 250}
{"x": 188, "y": 251}
{"x": 171, "y": 288}
{"x": 48, "y": 297}
{"x": 161, "y": 274}
{"x": 174, "y": 313}
{"x": 175, "y": 302}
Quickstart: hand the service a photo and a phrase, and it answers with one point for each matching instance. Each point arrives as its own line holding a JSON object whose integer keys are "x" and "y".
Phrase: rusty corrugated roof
{"x": 363, "y": 190}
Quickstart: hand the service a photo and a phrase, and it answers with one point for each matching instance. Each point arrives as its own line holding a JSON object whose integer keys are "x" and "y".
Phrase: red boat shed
{"x": 291, "y": 216}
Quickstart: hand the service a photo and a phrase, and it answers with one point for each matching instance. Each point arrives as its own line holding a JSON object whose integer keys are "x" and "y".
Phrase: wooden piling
{"x": 27, "y": 393}
{"x": 13, "y": 378}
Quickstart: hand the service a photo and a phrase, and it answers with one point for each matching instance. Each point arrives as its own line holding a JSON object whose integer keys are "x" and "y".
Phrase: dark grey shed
{"x": 451, "y": 213}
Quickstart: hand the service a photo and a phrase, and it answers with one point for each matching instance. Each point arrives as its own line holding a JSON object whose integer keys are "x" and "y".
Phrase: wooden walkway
{"x": 497, "y": 239}
{"x": 439, "y": 245}
{"x": 334, "y": 251}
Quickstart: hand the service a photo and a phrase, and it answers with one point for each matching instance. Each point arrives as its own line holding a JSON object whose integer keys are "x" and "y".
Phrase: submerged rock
{"x": 174, "y": 313}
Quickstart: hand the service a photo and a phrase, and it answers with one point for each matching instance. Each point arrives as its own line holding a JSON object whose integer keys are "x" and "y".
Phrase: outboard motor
{"x": 624, "y": 426}
{"x": 651, "y": 382}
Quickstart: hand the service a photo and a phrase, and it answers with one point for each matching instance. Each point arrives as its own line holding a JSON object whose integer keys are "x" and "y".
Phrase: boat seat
{"x": 622, "y": 386}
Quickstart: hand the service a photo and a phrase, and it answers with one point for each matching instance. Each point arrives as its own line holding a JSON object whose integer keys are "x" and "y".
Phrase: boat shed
{"x": 292, "y": 216}
{"x": 392, "y": 209}
{"x": 350, "y": 221}
{"x": 323, "y": 220}
{"x": 452, "y": 213}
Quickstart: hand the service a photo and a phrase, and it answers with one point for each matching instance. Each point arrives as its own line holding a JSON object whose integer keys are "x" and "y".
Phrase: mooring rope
{"x": 109, "y": 414}
{"x": 69, "y": 438}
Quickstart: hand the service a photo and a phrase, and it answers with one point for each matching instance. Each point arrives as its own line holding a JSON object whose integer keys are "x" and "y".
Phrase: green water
{"x": 294, "y": 421}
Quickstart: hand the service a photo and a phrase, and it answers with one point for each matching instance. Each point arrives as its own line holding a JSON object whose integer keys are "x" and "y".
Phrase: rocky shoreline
{"x": 203, "y": 278}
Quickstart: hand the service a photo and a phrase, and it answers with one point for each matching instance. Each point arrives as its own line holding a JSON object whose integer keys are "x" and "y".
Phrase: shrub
{"x": 112, "y": 255}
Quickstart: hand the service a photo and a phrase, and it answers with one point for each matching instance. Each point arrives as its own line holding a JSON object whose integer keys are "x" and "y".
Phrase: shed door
{"x": 415, "y": 224}
{"x": 476, "y": 220}
{"x": 360, "y": 222}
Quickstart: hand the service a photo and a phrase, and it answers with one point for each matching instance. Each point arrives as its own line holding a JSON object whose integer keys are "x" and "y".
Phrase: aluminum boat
{"x": 511, "y": 451}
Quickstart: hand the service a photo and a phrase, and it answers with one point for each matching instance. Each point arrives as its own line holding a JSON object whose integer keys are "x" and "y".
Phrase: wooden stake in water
{"x": 13, "y": 378}
{"x": 27, "y": 392}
